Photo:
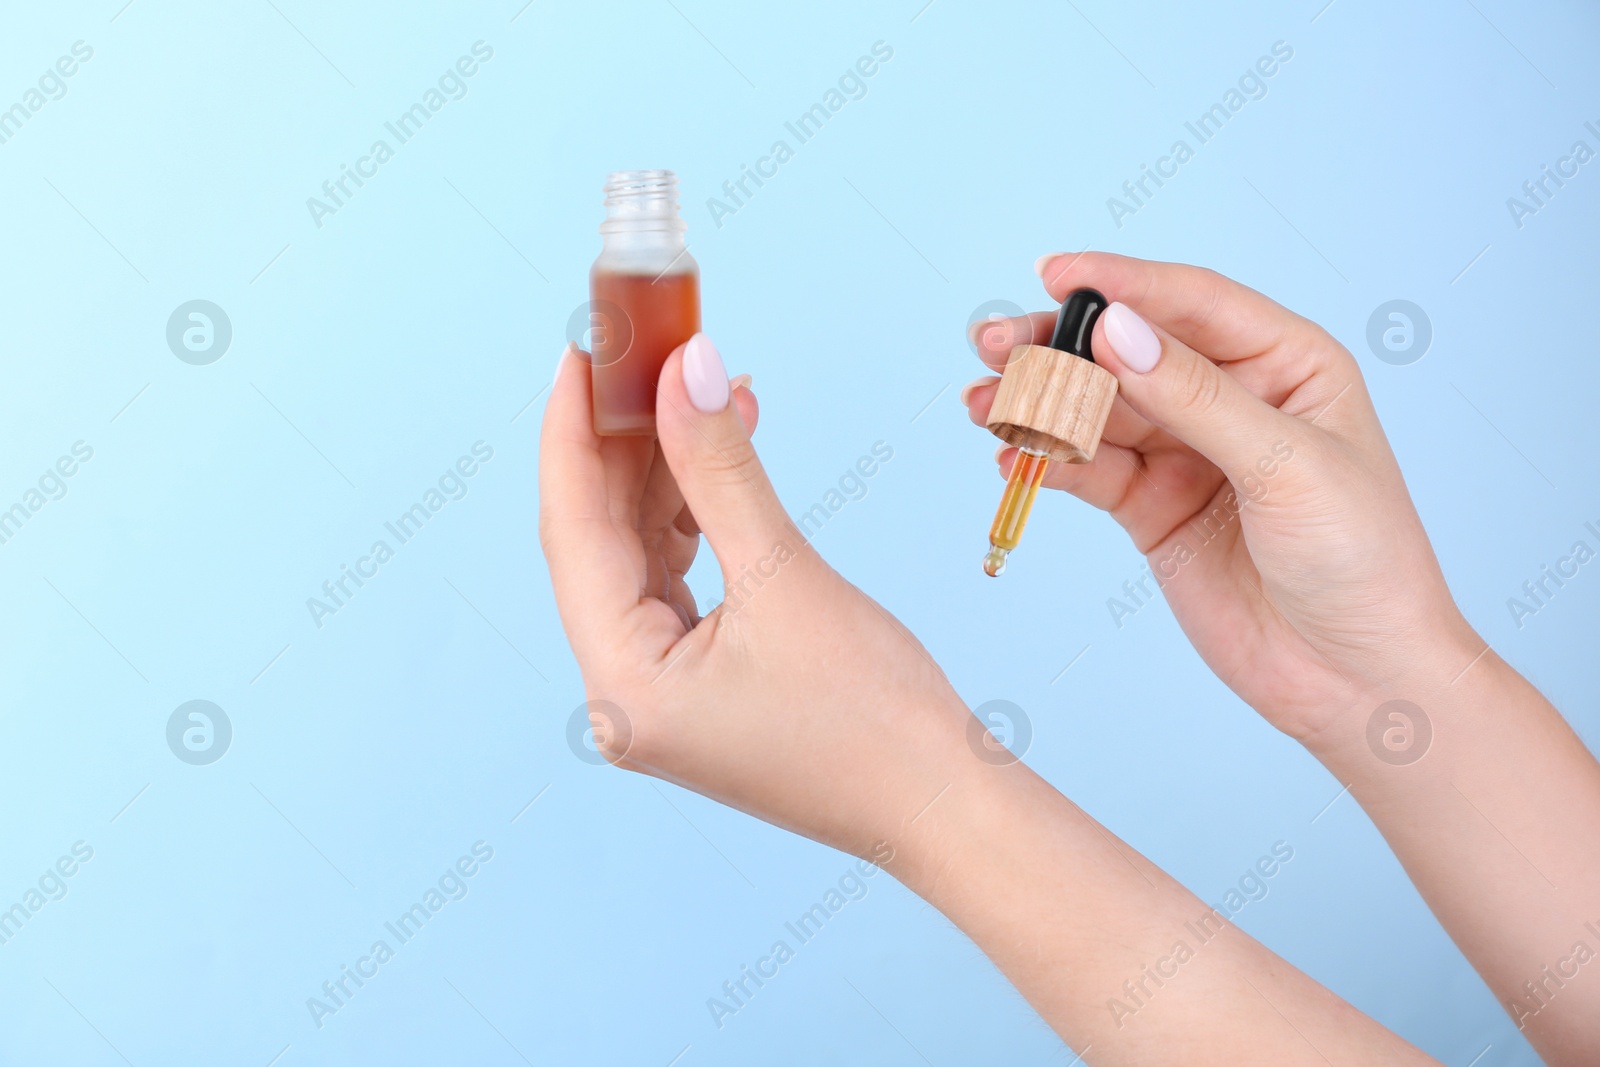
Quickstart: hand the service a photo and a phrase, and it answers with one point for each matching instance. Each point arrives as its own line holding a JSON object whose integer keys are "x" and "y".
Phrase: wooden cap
{"x": 1053, "y": 402}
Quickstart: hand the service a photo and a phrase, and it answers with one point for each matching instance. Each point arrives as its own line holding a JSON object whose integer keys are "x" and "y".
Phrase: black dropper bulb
{"x": 1075, "y": 322}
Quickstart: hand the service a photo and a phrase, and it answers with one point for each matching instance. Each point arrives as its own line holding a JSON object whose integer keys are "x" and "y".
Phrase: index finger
{"x": 598, "y": 577}
{"x": 994, "y": 338}
{"x": 1212, "y": 314}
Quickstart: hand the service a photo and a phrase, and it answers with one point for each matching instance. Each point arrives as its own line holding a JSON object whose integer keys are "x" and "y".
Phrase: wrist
{"x": 942, "y": 840}
{"x": 1389, "y": 717}
{"x": 1004, "y": 825}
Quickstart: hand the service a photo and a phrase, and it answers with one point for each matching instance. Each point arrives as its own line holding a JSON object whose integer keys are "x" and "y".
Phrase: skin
{"x": 1295, "y": 605}
{"x": 1324, "y": 600}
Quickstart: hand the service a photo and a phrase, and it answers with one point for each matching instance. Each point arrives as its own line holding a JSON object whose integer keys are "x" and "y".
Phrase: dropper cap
{"x": 1050, "y": 402}
{"x": 1075, "y": 322}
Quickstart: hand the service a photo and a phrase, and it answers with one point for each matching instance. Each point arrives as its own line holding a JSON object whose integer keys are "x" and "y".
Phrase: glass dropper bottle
{"x": 1052, "y": 404}
{"x": 644, "y": 298}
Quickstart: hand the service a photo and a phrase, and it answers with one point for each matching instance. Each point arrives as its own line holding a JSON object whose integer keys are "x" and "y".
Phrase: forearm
{"x": 1123, "y": 962}
{"x": 1497, "y": 824}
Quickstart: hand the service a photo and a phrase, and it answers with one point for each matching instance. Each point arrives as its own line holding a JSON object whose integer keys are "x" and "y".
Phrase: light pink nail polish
{"x": 1039, "y": 264}
{"x": 1132, "y": 339}
{"x": 966, "y": 390}
{"x": 704, "y": 377}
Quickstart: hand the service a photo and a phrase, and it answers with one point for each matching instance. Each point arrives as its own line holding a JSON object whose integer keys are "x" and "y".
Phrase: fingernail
{"x": 1000, "y": 452}
{"x": 739, "y": 381}
{"x": 966, "y": 390}
{"x": 1132, "y": 339}
{"x": 567, "y": 354}
{"x": 705, "y": 379}
{"x": 1040, "y": 263}
{"x": 996, "y": 335}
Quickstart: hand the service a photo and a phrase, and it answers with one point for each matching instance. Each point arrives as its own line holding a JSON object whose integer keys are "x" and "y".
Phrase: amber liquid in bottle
{"x": 638, "y": 319}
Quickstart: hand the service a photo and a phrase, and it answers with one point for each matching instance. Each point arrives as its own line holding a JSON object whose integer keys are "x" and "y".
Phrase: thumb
{"x": 1186, "y": 394}
{"x": 708, "y": 448}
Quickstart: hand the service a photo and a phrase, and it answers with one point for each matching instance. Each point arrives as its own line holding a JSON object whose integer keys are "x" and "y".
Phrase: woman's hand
{"x": 1244, "y": 458}
{"x": 800, "y": 701}
{"x": 797, "y": 699}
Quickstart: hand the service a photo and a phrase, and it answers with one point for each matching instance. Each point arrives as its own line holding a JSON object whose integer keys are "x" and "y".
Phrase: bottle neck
{"x": 642, "y": 215}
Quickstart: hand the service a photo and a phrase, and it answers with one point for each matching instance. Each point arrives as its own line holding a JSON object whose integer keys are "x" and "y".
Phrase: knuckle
{"x": 1213, "y": 288}
{"x": 1315, "y": 346}
{"x": 1198, "y": 386}
{"x": 620, "y": 741}
{"x": 621, "y": 723}
{"x": 1345, "y": 365}
{"x": 732, "y": 461}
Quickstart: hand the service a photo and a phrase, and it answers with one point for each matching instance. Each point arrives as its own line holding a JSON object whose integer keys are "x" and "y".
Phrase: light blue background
{"x": 425, "y": 315}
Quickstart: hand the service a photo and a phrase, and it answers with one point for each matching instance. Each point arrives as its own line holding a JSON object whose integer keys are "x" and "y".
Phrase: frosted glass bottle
{"x": 644, "y": 292}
